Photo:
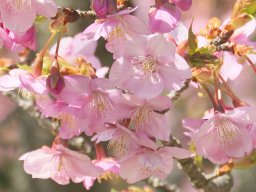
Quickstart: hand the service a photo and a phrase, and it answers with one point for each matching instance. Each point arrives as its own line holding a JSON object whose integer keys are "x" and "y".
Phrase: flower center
{"x": 141, "y": 117}
{"x": 226, "y": 131}
{"x": 117, "y": 32}
{"x": 146, "y": 66}
{"x": 118, "y": 144}
{"x": 100, "y": 102}
{"x": 67, "y": 118}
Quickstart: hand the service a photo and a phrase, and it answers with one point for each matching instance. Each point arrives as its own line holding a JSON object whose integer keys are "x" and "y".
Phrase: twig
{"x": 178, "y": 93}
{"x": 199, "y": 179}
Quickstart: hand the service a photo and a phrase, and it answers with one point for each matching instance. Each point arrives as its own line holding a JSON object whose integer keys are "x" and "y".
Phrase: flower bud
{"x": 103, "y": 8}
{"x": 55, "y": 81}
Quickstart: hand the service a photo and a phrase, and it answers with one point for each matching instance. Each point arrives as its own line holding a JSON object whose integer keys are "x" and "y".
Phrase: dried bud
{"x": 103, "y": 8}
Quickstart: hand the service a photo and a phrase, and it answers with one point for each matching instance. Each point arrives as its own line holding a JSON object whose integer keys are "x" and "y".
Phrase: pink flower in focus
{"x": 145, "y": 115}
{"x": 19, "y": 15}
{"x": 150, "y": 64}
{"x": 225, "y": 136}
{"x": 60, "y": 164}
{"x": 123, "y": 140}
{"x": 145, "y": 163}
{"x": 110, "y": 167}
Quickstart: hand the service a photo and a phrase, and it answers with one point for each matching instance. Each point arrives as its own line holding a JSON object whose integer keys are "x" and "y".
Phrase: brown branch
{"x": 178, "y": 93}
{"x": 198, "y": 178}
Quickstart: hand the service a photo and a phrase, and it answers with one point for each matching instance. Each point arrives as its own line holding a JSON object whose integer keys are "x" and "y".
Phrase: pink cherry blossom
{"x": 145, "y": 115}
{"x": 242, "y": 34}
{"x": 11, "y": 81}
{"x": 225, "y": 136}
{"x": 115, "y": 26}
{"x": 123, "y": 140}
{"x": 150, "y": 64}
{"x": 17, "y": 42}
{"x": 103, "y": 8}
{"x": 60, "y": 164}
{"x": 146, "y": 163}
{"x": 110, "y": 167}
{"x": 164, "y": 18}
{"x": 24, "y": 12}
{"x": 231, "y": 68}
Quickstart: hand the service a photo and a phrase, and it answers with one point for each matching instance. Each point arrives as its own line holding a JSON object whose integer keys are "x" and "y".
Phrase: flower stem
{"x": 38, "y": 67}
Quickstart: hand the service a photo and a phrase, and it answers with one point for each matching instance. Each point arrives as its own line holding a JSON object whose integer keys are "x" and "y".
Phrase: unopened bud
{"x": 55, "y": 81}
{"x": 103, "y": 8}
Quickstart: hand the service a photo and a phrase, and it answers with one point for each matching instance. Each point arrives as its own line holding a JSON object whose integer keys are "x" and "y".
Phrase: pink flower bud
{"x": 55, "y": 81}
{"x": 103, "y": 8}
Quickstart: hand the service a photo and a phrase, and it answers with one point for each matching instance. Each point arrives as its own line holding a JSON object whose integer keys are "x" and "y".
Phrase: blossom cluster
{"x": 127, "y": 110}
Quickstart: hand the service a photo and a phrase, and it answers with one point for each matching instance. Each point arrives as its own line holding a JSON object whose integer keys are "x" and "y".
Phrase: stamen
{"x": 147, "y": 66}
{"x": 226, "y": 131}
{"x": 67, "y": 118}
{"x": 118, "y": 144}
{"x": 101, "y": 102}
{"x": 141, "y": 117}
{"x": 117, "y": 32}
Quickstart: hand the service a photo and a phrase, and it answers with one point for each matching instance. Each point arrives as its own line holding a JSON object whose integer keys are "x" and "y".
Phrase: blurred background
{"x": 19, "y": 133}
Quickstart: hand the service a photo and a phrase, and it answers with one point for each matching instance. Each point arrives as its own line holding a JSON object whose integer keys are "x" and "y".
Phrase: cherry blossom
{"x": 60, "y": 164}
{"x": 224, "y": 136}
{"x": 146, "y": 163}
{"x": 24, "y": 12}
{"x": 150, "y": 64}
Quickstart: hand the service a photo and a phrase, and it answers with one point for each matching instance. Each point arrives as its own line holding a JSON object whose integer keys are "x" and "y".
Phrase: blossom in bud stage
{"x": 146, "y": 163}
{"x": 225, "y": 136}
{"x": 17, "y": 42}
{"x": 55, "y": 81}
{"x": 24, "y": 12}
{"x": 60, "y": 164}
{"x": 115, "y": 26}
{"x": 145, "y": 115}
{"x": 150, "y": 64}
{"x": 102, "y": 8}
{"x": 73, "y": 48}
{"x": 110, "y": 167}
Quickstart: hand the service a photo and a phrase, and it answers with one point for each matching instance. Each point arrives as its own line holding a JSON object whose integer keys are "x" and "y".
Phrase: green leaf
{"x": 192, "y": 41}
{"x": 201, "y": 59}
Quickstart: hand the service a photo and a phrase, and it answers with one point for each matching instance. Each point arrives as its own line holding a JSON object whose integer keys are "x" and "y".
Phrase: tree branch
{"x": 199, "y": 180}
